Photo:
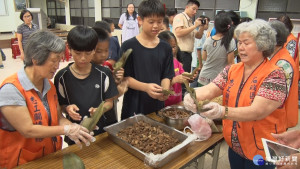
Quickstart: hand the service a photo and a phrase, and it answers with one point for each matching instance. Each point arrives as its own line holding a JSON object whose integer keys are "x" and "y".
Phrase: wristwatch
{"x": 226, "y": 113}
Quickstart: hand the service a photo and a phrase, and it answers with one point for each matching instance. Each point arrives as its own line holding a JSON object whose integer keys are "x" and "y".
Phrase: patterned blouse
{"x": 273, "y": 88}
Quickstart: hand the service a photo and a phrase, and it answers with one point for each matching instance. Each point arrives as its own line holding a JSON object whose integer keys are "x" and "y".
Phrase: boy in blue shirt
{"x": 149, "y": 68}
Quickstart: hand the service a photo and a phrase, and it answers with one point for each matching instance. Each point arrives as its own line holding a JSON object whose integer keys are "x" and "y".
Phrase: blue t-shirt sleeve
{"x": 11, "y": 96}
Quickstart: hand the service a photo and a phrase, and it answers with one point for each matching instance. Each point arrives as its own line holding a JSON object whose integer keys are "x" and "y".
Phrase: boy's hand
{"x": 119, "y": 76}
{"x": 72, "y": 111}
{"x": 154, "y": 90}
{"x": 163, "y": 97}
{"x": 92, "y": 110}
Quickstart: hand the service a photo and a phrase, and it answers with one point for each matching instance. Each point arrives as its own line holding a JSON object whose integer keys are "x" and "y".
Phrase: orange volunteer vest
{"x": 296, "y": 57}
{"x": 15, "y": 149}
{"x": 237, "y": 95}
{"x": 291, "y": 103}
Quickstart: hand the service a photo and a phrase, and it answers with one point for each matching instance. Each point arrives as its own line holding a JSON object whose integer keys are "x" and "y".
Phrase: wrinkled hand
{"x": 72, "y": 111}
{"x": 289, "y": 138}
{"x": 76, "y": 133}
{"x": 119, "y": 76}
{"x": 215, "y": 110}
{"x": 189, "y": 104}
{"x": 154, "y": 90}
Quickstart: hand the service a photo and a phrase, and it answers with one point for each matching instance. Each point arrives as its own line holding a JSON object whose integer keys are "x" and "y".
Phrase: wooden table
{"x": 106, "y": 154}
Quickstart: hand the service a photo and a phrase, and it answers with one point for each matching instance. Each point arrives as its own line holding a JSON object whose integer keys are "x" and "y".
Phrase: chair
{"x": 15, "y": 47}
{"x": 67, "y": 54}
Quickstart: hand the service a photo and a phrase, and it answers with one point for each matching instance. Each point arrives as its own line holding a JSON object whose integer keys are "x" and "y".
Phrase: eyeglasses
{"x": 27, "y": 16}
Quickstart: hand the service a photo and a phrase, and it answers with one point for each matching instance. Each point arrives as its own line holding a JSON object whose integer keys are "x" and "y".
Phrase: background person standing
{"x": 185, "y": 32}
{"x": 25, "y": 29}
{"x": 128, "y": 23}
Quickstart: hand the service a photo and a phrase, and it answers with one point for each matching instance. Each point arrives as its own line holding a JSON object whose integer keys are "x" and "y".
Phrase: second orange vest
{"x": 291, "y": 103}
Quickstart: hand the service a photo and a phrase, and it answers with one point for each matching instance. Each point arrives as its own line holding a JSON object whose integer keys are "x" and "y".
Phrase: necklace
{"x": 79, "y": 73}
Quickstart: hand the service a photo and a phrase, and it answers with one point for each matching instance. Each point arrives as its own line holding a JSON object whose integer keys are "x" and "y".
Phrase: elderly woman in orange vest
{"x": 254, "y": 92}
{"x": 30, "y": 118}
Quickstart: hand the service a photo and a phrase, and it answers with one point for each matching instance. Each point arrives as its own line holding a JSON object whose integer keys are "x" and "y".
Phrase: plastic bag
{"x": 199, "y": 127}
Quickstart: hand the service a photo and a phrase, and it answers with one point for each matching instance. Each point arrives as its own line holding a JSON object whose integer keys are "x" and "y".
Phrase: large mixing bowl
{"x": 177, "y": 123}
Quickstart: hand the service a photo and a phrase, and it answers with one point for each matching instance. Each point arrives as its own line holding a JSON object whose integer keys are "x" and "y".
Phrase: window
{"x": 274, "y": 8}
{"x": 114, "y": 8}
{"x": 82, "y": 12}
{"x": 56, "y": 11}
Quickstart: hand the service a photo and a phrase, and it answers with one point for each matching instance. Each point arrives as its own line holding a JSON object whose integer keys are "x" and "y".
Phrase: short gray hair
{"x": 281, "y": 32}
{"x": 39, "y": 46}
{"x": 263, "y": 34}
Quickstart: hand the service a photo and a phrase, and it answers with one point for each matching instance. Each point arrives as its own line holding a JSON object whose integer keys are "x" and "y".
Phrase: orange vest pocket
{"x": 26, "y": 155}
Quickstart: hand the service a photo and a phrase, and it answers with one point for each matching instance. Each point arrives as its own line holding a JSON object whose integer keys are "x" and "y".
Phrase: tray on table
{"x": 150, "y": 159}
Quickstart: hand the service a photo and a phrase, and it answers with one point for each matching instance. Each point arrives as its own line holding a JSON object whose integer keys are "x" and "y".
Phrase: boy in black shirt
{"x": 82, "y": 86}
{"x": 149, "y": 68}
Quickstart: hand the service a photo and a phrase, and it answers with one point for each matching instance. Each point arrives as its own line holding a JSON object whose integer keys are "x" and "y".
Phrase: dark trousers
{"x": 186, "y": 58}
{"x": 238, "y": 162}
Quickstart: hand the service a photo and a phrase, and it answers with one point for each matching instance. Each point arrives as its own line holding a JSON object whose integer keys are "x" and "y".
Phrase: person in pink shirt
{"x": 178, "y": 69}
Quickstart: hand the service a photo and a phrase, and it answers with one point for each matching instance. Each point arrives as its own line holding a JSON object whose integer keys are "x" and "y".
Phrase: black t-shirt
{"x": 87, "y": 93}
{"x": 148, "y": 65}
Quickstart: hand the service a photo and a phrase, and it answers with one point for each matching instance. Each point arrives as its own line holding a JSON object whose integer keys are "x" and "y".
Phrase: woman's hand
{"x": 289, "y": 138}
{"x": 72, "y": 111}
{"x": 78, "y": 133}
{"x": 189, "y": 104}
{"x": 215, "y": 111}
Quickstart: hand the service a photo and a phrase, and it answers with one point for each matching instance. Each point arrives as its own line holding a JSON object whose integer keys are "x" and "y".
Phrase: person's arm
{"x": 199, "y": 58}
{"x": 109, "y": 103}
{"x": 180, "y": 29}
{"x": 230, "y": 58}
{"x": 19, "y": 118}
{"x": 199, "y": 33}
{"x": 209, "y": 92}
{"x": 121, "y": 20}
{"x": 259, "y": 109}
{"x": 120, "y": 25}
{"x": 20, "y": 37}
{"x": 204, "y": 55}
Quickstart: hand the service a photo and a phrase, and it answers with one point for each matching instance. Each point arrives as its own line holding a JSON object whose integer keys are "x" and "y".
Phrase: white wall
{"x": 39, "y": 4}
{"x": 250, "y": 6}
{"x": 11, "y": 21}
